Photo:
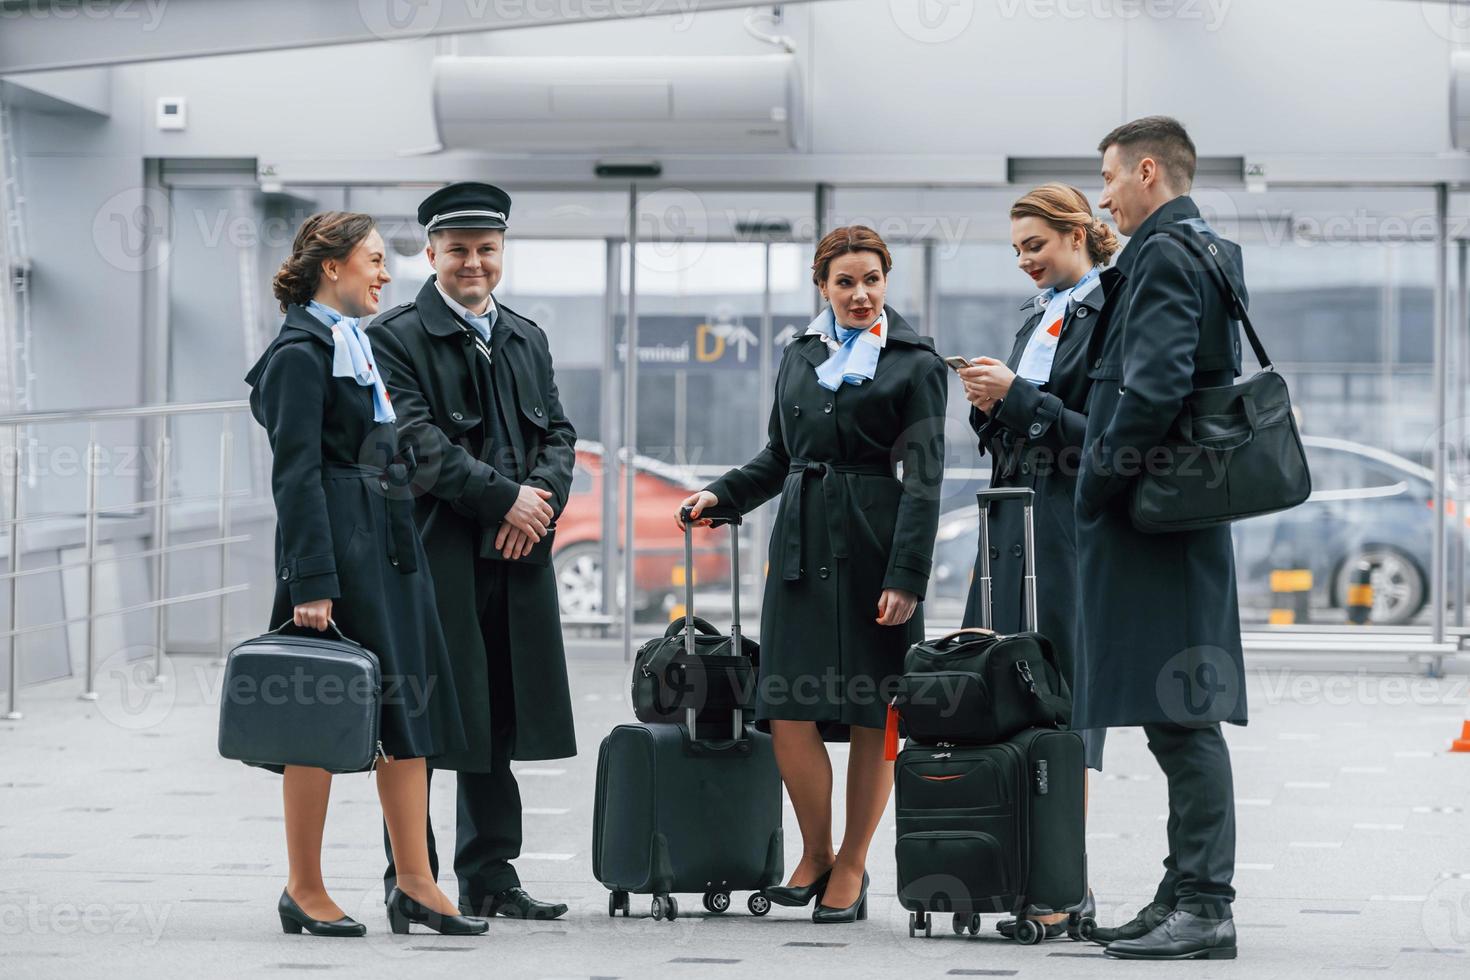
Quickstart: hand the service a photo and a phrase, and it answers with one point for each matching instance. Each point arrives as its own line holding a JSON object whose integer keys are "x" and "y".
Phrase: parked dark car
{"x": 1366, "y": 504}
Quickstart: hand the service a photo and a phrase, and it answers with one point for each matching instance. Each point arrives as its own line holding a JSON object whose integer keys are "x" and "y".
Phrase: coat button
{"x": 823, "y": 572}
{"x": 393, "y": 562}
{"x": 1082, "y": 313}
{"x": 285, "y": 573}
{"x": 383, "y": 484}
{"x": 795, "y": 409}
{"x": 994, "y": 552}
{"x": 538, "y": 411}
{"x": 801, "y": 571}
{"x": 1025, "y": 469}
{"x": 457, "y": 416}
{"x": 1036, "y": 428}
{"x": 1016, "y": 550}
{"x": 1097, "y": 364}
{"x": 827, "y": 408}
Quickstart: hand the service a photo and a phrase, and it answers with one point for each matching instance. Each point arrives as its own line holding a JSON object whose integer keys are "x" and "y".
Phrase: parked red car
{"x": 658, "y": 565}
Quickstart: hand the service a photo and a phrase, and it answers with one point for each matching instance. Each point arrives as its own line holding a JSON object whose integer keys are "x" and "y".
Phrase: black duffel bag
{"x": 1234, "y": 451}
{"x": 693, "y": 666}
{"x": 975, "y": 687}
{"x": 302, "y": 699}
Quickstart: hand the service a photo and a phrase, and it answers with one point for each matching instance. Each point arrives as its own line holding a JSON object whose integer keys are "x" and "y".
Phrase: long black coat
{"x": 1159, "y": 631}
{"x": 1034, "y": 440}
{"x": 441, "y": 389}
{"x": 846, "y": 528}
{"x": 345, "y": 532}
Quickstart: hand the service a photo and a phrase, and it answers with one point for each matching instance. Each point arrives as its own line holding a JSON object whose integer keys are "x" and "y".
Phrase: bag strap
{"x": 330, "y": 622}
{"x": 1209, "y": 252}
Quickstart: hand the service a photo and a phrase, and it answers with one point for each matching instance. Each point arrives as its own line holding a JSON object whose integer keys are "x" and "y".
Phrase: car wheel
{"x": 1398, "y": 585}
{"x": 579, "y": 579}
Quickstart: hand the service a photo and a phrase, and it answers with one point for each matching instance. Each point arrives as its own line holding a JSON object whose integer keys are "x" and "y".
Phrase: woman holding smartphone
{"x": 1028, "y": 412}
{"x": 850, "y": 555}
{"x": 348, "y": 554}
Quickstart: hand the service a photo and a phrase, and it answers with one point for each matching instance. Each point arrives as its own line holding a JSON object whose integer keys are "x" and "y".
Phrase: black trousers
{"x": 1201, "y": 827}
{"x": 488, "y": 811}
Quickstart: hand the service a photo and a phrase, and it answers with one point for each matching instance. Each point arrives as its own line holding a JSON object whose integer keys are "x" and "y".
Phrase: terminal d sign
{"x": 701, "y": 344}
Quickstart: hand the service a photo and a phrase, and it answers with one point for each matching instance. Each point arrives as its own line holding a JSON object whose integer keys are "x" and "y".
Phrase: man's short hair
{"x": 1161, "y": 137}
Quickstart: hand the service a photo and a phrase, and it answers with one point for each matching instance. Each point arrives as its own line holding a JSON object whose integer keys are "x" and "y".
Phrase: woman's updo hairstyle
{"x": 1064, "y": 208}
{"x": 324, "y": 235}
{"x": 841, "y": 241}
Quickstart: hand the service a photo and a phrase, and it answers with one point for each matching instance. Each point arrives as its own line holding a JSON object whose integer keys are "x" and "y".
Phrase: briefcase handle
{"x": 330, "y": 622}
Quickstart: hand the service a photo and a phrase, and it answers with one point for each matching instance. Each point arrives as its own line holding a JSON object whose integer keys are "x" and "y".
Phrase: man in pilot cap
{"x": 473, "y": 387}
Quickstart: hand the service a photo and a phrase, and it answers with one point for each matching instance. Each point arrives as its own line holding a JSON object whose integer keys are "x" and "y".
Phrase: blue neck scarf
{"x": 853, "y": 360}
{"x": 352, "y": 357}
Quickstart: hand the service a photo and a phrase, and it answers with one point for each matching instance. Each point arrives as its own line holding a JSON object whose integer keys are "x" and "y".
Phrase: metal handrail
{"x": 13, "y": 520}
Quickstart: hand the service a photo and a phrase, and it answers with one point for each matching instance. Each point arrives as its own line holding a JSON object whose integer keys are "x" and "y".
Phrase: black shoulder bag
{"x": 1234, "y": 452}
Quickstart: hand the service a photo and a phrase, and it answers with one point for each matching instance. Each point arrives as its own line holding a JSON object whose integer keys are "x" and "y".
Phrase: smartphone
{"x": 958, "y": 362}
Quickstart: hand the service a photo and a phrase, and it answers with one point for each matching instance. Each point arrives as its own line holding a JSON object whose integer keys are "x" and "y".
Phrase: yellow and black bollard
{"x": 1291, "y": 596}
{"x": 1360, "y": 594}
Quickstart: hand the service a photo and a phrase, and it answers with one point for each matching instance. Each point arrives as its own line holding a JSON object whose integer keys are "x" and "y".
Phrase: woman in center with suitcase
{"x": 850, "y": 553}
{"x": 1028, "y": 414}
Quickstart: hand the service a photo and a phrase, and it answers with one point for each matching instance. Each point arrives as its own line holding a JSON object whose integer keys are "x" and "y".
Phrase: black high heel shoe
{"x": 795, "y": 896}
{"x": 823, "y": 914}
{"x": 403, "y": 910}
{"x": 293, "y": 920}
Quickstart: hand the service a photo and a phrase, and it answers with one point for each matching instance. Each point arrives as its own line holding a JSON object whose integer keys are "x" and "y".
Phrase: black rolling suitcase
{"x": 691, "y": 806}
{"x": 994, "y": 828}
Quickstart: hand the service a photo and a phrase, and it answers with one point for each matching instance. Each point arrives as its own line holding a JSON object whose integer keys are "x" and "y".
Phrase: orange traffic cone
{"x": 1462, "y": 744}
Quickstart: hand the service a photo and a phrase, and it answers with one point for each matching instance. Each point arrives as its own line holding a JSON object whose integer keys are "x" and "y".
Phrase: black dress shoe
{"x": 795, "y": 896}
{"x": 1182, "y": 936}
{"x": 1136, "y": 928}
{"x": 823, "y": 914}
{"x": 403, "y": 911}
{"x": 293, "y": 920}
{"x": 514, "y": 903}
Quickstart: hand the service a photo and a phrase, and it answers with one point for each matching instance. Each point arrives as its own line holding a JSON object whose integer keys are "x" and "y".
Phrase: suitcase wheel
{"x": 1083, "y": 929}
{"x": 966, "y": 923}
{"x": 918, "y": 920}
{"x": 717, "y": 902}
{"x": 617, "y": 901}
{"x": 758, "y": 904}
{"x": 1028, "y": 931}
{"x": 664, "y": 907}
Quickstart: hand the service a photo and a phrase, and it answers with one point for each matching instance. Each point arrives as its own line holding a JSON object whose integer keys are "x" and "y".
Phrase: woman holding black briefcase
{"x": 348, "y": 556}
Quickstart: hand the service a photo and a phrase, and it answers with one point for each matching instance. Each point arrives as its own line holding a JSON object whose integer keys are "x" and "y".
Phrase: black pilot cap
{"x": 467, "y": 204}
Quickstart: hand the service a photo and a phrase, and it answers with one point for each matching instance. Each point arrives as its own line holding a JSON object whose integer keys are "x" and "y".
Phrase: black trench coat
{"x": 1159, "y": 629}
{"x": 846, "y": 528}
{"x": 344, "y": 531}
{"x": 434, "y": 372}
{"x": 1034, "y": 440}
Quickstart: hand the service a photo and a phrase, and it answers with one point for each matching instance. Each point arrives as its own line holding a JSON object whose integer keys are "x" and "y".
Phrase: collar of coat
{"x": 298, "y": 326}
{"x": 1093, "y": 299}
{"x": 1180, "y": 208}
{"x": 814, "y": 348}
{"x": 441, "y": 321}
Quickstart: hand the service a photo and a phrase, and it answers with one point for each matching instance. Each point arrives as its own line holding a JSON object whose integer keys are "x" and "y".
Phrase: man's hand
{"x": 513, "y": 543}
{"x": 530, "y": 513}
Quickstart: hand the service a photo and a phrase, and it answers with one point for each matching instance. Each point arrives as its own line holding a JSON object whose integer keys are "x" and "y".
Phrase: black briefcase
{"x": 302, "y": 699}
{"x": 1234, "y": 452}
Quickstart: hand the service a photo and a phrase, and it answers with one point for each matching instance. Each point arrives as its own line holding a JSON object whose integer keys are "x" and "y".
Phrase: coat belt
{"x": 396, "y": 488}
{"x": 834, "y": 497}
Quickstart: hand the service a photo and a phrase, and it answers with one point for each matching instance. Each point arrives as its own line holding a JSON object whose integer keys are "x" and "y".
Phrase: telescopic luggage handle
{"x": 718, "y": 516}
{"x": 1027, "y": 498}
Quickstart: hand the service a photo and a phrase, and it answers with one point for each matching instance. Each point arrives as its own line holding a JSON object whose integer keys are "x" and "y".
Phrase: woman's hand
{"x": 896, "y": 607}
{"x": 315, "y": 614}
{"x": 986, "y": 382}
{"x": 696, "y": 503}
